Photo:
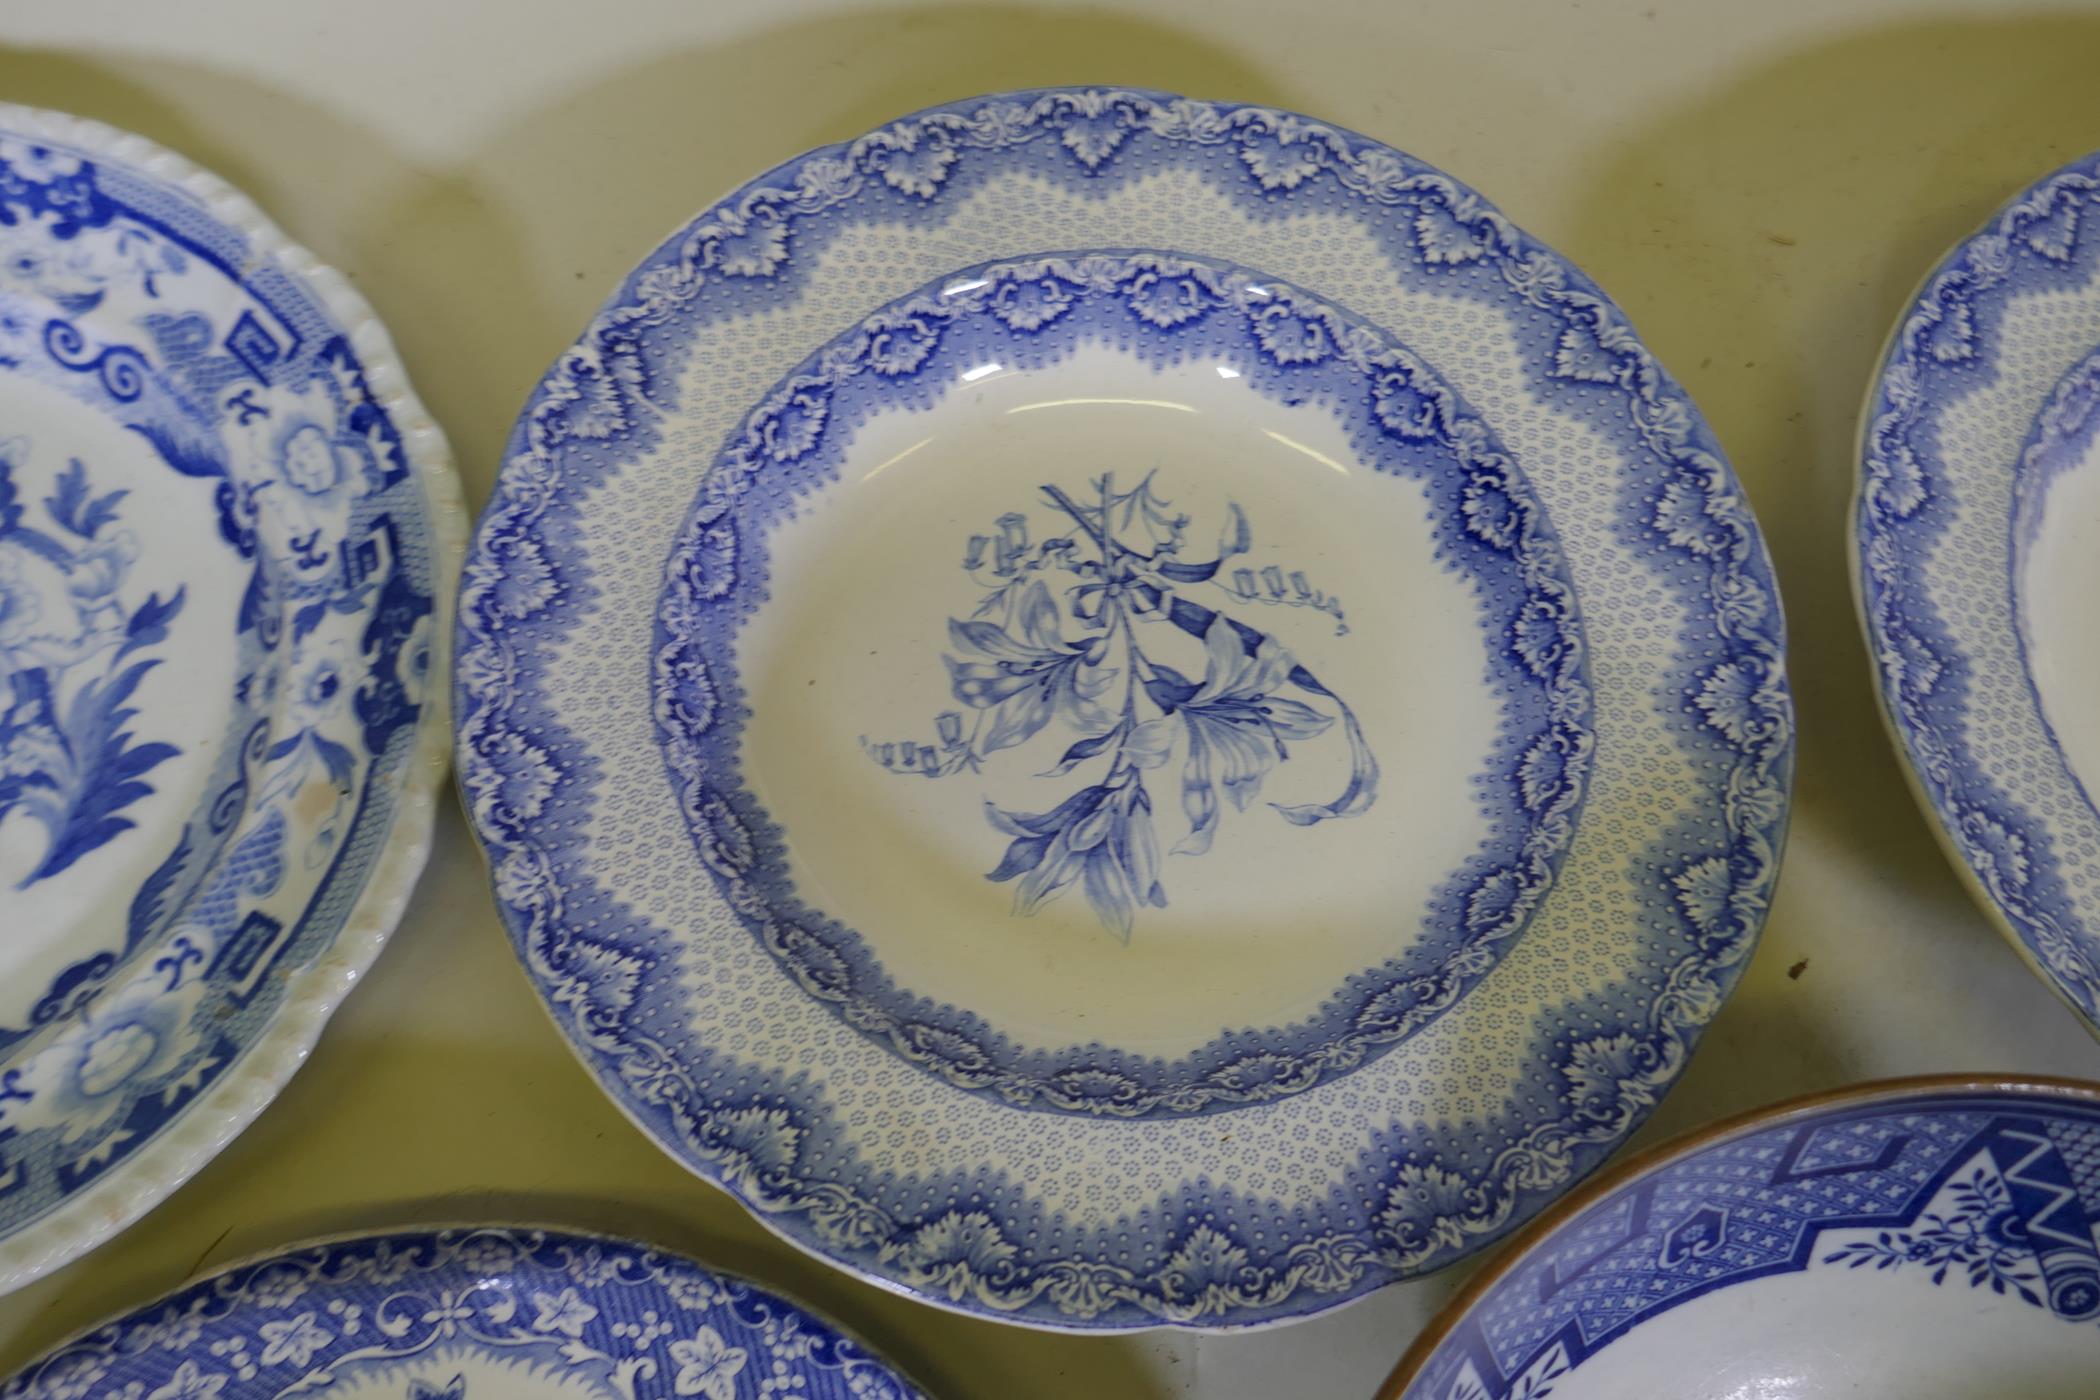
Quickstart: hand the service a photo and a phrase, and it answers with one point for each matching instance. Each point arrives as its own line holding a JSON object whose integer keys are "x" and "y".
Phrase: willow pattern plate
{"x": 468, "y": 1314}
{"x": 1920, "y": 1238}
{"x": 224, "y": 528}
{"x": 1974, "y": 536}
{"x": 1021, "y": 676}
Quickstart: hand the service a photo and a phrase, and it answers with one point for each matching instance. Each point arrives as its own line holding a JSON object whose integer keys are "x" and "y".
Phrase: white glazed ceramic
{"x": 227, "y": 538}
{"x": 1023, "y": 674}
{"x": 1974, "y": 534}
{"x": 489, "y": 1313}
{"x": 1932, "y": 1239}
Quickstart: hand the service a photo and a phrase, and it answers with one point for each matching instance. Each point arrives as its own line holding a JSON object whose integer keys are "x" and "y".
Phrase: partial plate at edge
{"x": 228, "y": 535}
{"x": 1929, "y": 1237}
{"x": 470, "y": 1313}
{"x": 1973, "y": 550}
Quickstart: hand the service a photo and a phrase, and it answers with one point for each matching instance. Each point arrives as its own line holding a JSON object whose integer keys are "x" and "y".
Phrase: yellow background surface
{"x": 1759, "y": 185}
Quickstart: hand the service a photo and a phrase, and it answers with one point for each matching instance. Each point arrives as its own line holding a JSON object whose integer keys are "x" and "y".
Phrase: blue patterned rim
{"x": 1294, "y": 348}
{"x": 466, "y": 1314}
{"x": 1977, "y": 1183}
{"x": 1204, "y": 1252}
{"x": 161, "y": 302}
{"x": 1948, "y": 342}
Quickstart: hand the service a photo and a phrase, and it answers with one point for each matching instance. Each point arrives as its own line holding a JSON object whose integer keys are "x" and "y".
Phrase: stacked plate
{"x": 228, "y": 543}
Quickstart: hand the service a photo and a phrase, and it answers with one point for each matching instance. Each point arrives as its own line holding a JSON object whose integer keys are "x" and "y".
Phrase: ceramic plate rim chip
{"x": 1986, "y": 810}
{"x": 106, "y": 1198}
{"x": 1427, "y": 1362}
{"x": 536, "y": 790}
{"x": 489, "y": 1244}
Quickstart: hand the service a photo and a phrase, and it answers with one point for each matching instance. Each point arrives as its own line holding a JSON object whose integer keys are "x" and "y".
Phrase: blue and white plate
{"x": 467, "y": 1314}
{"x": 228, "y": 535}
{"x": 1916, "y": 1238}
{"x": 1975, "y": 535}
{"x": 1022, "y": 676}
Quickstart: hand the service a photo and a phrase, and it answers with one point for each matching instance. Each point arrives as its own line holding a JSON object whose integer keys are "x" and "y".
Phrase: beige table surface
{"x": 1759, "y": 184}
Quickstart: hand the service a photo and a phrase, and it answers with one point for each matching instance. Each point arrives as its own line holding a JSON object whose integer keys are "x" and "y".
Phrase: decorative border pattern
{"x": 1986, "y": 1190}
{"x": 2062, "y": 433}
{"x": 1946, "y": 341}
{"x": 172, "y": 1112}
{"x": 977, "y": 1242}
{"x": 1405, "y": 421}
{"x": 437, "y": 1315}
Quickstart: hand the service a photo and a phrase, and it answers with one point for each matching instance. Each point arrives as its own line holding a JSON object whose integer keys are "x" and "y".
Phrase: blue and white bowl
{"x": 1974, "y": 542}
{"x": 1927, "y": 1238}
{"x": 491, "y": 1313}
{"x": 228, "y": 539}
{"x": 1021, "y": 676}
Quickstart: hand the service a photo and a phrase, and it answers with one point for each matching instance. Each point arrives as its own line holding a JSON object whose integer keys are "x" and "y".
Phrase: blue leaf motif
{"x": 68, "y": 756}
{"x": 1170, "y": 301}
{"x": 1074, "y": 655}
{"x": 1291, "y": 338}
{"x": 1280, "y": 160}
{"x": 110, "y": 780}
{"x": 1237, "y": 725}
{"x": 1029, "y": 306}
{"x": 149, "y": 625}
{"x": 65, "y": 503}
{"x": 1082, "y": 751}
{"x": 1445, "y": 241}
{"x": 337, "y": 759}
{"x": 1022, "y": 674}
{"x": 1100, "y": 836}
{"x": 100, "y": 512}
{"x": 10, "y": 503}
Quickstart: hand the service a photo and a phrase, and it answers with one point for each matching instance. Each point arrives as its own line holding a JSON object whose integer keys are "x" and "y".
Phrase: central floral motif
{"x": 1132, "y": 682}
{"x": 73, "y": 649}
{"x": 1067, "y": 633}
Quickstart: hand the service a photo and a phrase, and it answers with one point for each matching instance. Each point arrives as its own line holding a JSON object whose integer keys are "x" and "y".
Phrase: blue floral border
{"x": 973, "y": 1239}
{"x": 1404, "y": 421}
{"x": 209, "y": 995}
{"x": 1759, "y": 1202}
{"x": 1946, "y": 339}
{"x": 632, "y": 1319}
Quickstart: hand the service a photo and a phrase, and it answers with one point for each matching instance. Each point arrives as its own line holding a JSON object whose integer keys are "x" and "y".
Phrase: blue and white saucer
{"x": 228, "y": 535}
{"x": 1023, "y": 674}
{"x": 1977, "y": 557}
{"x": 1927, "y": 1237}
{"x": 467, "y": 1314}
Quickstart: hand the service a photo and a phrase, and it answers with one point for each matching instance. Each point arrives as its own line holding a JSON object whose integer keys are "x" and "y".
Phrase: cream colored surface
{"x": 1759, "y": 185}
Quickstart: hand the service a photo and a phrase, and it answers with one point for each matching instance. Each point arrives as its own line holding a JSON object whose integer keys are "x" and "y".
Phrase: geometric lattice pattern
{"x": 1756, "y": 1205}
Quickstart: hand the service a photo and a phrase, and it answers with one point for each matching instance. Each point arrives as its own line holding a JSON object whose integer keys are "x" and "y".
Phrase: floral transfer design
{"x": 1111, "y": 572}
{"x": 1992, "y": 1190}
{"x": 74, "y": 646}
{"x": 466, "y": 1315}
{"x": 1035, "y": 658}
{"x": 608, "y": 971}
{"x": 242, "y": 395}
{"x": 1983, "y": 1239}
